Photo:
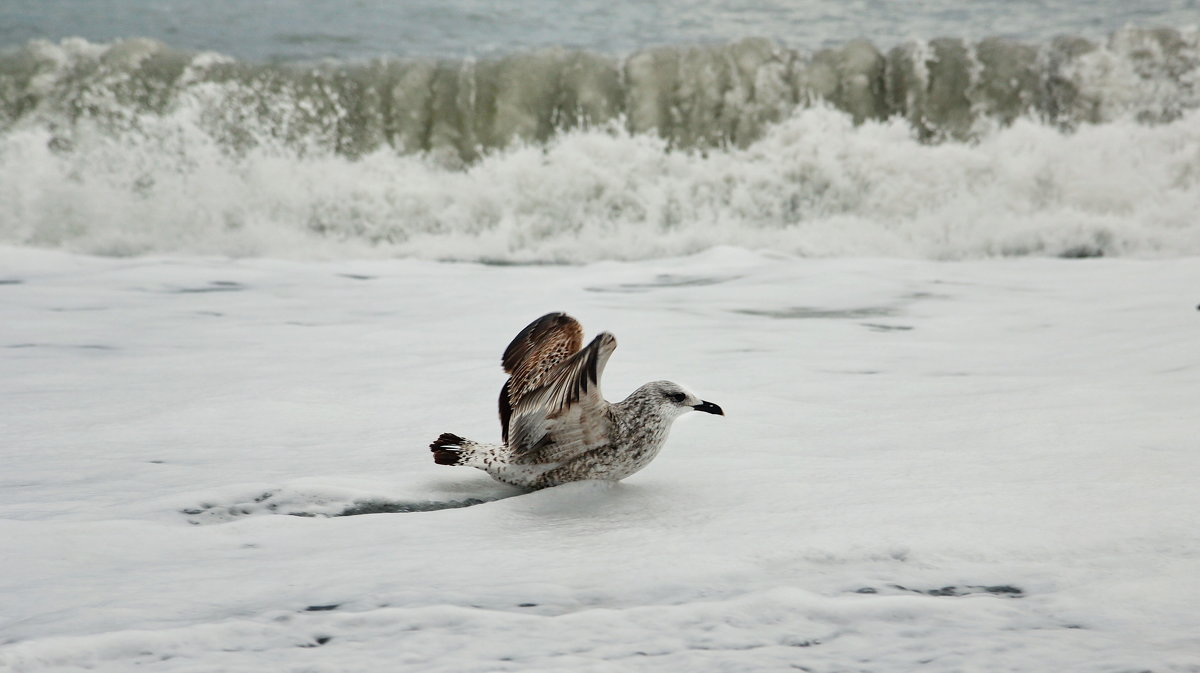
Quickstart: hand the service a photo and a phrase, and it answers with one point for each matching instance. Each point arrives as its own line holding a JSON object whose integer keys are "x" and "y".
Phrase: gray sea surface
{"x": 291, "y": 30}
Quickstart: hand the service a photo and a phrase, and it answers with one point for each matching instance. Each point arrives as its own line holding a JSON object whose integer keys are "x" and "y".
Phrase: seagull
{"x": 556, "y": 426}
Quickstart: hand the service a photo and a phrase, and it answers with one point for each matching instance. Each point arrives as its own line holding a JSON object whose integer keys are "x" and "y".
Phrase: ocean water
{"x": 291, "y": 30}
{"x": 937, "y": 261}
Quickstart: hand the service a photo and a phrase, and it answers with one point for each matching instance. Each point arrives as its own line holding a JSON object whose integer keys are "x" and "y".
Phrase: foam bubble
{"x": 815, "y": 184}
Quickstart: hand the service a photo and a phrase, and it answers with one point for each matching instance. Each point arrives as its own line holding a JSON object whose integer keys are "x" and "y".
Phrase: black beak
{"x": 709, "y": 407}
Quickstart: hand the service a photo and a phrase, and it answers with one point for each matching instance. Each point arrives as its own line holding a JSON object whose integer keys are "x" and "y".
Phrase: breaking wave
{"x": 942, "y": 149}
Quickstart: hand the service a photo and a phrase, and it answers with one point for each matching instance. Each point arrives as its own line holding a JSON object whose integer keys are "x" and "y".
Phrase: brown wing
{"x": 566, "y": 416}
{"x": 573, "y": 380}
{"x": 532, "y": 355}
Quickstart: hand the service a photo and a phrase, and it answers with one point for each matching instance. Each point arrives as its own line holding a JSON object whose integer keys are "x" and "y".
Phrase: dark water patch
{"x": 395, "y": 507}
{"x": 318, "y": 641}
{"x": 315, "y": 38}
{"x": 496, "y": 261}
{"x": 665, "y": 280}
{"x": 73, "y": 309}
{"x": 92, "y": 347}
{"x": 1093, "y": 244}
{"x": 214, "y": 286}
{"x": 672, "y": 280}
{"x": 1082, "y": 252}
{"x": 951, "y": 591}
{"x": 805, "y": 313}
{"x": 11, "y": 281}
{"x": 314, "y": 506}
{"x": 214, "y": 314}
{"x": 322, "y": 608}
{"x": 356, "y": 276}
{"x": 879, "y": 327}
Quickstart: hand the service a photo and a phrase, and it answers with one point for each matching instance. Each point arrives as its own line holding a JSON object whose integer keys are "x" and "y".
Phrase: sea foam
{"x": 940, "y": 149}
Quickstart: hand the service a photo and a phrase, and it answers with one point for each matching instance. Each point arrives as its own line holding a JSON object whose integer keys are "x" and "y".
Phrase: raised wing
{"x": 567, "y": 415}
{"x": 532, "y": 355}
{"x": 576, "y": 380}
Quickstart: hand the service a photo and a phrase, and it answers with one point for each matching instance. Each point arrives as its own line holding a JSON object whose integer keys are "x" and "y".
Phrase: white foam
{"x": 893, "y": 426}
{"x": 815, "y": 185}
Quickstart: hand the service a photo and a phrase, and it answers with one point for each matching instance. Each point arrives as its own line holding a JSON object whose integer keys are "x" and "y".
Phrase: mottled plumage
{"x": 555, "y": 424}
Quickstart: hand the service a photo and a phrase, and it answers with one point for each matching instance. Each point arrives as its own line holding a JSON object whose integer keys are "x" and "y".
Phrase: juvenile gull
{"x": 555, "y": 424}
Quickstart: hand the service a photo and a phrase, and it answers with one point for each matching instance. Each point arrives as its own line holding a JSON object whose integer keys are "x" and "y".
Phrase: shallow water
{"x": 993, "y": 491}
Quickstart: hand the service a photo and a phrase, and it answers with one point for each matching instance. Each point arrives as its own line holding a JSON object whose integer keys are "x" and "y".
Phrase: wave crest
{"x": 691, "y": 96}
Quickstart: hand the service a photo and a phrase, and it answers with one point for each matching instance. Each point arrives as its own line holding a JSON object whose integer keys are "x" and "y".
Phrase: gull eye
{"x": 676, "y": 397}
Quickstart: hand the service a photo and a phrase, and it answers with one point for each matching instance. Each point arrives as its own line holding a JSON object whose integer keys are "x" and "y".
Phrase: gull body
{"x": 555, "y": 424}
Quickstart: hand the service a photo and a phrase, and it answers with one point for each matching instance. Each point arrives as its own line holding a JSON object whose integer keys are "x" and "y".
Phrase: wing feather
{"x": 532, "y": 355}
{"x": 565, "y": 416}
{"x": 575, "y": 379}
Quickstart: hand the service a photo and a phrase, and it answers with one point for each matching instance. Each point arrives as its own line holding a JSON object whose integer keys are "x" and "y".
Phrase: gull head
{"x": 672, "y": 400}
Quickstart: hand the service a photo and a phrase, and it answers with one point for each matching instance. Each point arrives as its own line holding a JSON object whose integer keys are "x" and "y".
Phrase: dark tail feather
{"x": 447, "y": 449}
